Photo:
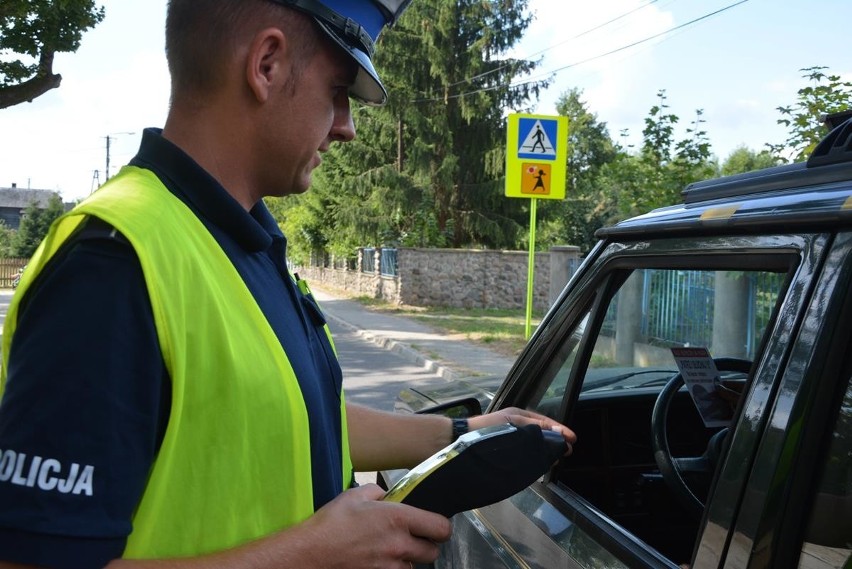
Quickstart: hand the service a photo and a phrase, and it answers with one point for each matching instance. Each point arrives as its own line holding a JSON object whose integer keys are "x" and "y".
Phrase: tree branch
{"x": 43, "y": 81}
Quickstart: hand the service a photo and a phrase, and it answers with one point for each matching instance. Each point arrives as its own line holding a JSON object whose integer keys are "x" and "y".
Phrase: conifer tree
{"x": 35, "y": 224}
{"x": 427, "y": 169}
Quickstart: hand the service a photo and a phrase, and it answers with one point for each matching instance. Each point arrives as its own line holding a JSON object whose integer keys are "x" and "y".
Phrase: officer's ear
{"x": 267, "y": 64}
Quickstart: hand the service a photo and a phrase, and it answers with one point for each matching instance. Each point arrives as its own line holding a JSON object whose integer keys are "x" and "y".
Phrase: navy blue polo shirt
{"x": 88, "y": 397}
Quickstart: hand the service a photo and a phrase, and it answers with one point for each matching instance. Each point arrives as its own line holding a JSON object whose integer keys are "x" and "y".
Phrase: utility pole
{"x": 108, "y": 138}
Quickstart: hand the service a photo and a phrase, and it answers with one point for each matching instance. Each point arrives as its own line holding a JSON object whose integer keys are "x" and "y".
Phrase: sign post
{"x": 536, "y": 159}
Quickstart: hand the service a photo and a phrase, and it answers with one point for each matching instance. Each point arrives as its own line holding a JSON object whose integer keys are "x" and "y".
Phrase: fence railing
{"x": 368, "y": 263}
{"x": 678, "y": 304}
{"x": 388, "y": 263}
{"x": 678, "y": 307}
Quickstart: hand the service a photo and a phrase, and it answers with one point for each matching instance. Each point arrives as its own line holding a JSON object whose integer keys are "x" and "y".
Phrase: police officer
{"x": 170, "y": 391}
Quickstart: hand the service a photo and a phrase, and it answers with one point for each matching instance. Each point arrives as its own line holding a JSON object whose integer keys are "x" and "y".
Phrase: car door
{"x": 796, "y": 504}
{"x": 598, "y": 362}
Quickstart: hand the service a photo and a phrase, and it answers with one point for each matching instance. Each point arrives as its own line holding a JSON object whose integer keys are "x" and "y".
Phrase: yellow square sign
{"x": 536, "y": 156}
{"x": 535, "y": 179}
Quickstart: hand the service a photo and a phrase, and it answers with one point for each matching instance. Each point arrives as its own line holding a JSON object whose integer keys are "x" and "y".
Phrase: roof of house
{"x": 22, "y": 198}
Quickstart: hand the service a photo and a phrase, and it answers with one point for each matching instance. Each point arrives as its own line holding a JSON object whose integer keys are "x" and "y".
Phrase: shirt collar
{"x": 253, "y": 230}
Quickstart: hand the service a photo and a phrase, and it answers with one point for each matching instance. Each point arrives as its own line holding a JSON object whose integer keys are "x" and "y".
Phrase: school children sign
{"x": 536, "y": 155}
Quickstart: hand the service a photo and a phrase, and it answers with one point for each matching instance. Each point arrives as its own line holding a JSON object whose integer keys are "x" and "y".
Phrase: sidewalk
{"x": 446, "y": 356}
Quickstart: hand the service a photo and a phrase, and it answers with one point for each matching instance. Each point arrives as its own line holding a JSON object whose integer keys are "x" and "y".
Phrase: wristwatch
{"x": 460, "y": 427}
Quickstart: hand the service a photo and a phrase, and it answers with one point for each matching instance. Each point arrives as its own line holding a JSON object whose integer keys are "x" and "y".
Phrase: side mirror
{"x": 457, "y": 409}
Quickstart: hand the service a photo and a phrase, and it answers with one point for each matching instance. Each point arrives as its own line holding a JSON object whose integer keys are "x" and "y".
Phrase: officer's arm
{"x": 379, "y": 440}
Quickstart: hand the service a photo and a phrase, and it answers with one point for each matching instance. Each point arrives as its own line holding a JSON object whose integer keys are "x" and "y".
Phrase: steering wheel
{"x": 672, "y": 468}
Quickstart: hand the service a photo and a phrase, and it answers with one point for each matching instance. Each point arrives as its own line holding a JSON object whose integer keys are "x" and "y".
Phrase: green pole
{"x": 531, "y": 269}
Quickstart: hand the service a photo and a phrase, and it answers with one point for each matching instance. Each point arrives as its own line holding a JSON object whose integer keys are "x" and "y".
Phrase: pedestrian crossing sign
{"x": 536, "y": 156}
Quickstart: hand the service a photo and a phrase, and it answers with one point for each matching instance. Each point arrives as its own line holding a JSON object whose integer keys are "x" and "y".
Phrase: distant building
{"x": 14, "y": 200}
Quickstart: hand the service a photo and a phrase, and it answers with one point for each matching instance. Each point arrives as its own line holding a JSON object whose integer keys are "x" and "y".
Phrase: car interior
{"x": 646, "y": 456}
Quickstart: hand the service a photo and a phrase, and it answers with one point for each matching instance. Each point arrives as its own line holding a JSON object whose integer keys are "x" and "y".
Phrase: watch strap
{"x": 460, "y": 427}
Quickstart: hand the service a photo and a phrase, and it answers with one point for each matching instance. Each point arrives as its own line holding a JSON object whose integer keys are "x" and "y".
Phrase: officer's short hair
{"x": 202, "y": 34}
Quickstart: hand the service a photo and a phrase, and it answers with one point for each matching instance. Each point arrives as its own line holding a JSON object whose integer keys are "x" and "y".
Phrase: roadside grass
{"x": 499, "y": 329}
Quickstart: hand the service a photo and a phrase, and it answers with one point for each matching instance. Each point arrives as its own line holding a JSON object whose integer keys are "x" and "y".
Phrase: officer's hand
{"x": 521, "y": 417}
{"x": 362, "y": 531}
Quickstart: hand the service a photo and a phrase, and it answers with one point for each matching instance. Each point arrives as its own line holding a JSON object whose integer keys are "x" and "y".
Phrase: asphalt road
{"x": 373, "y": 376}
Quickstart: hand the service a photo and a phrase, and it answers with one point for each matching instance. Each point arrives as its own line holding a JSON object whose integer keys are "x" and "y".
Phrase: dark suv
{"x": 754, "y": 269}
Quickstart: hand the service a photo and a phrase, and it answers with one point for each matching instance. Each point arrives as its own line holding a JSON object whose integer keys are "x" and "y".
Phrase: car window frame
{"x": 771, "y": 519}
{"x": 801, "y": 254}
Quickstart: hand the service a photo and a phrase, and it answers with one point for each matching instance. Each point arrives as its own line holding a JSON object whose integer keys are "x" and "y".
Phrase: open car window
{"x": 652, "y": 310}
{"x": 610, "y": 363}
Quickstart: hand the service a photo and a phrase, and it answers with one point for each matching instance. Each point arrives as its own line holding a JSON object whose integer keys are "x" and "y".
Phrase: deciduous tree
{"x": 574, "y": 220}
{"x": 826, "y": 94}
{"x": 33, "y": 32}
{"x": 744, "y": 159}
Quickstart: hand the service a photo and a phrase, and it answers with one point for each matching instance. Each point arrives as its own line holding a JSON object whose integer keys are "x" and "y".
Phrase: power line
{"x": 554, "y": 46}
{"x": 622, "y": 48}
{"x": 587, "y": 60}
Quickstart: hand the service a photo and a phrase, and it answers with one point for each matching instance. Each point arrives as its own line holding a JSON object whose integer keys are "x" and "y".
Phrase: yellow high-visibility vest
{"x": 235, "y": 461}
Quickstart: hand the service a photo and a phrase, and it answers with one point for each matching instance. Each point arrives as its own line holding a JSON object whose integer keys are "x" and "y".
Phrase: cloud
{"x": 577, "y": 35}
{"x": 727, "y": 54}
{"x": 116, "y": 82}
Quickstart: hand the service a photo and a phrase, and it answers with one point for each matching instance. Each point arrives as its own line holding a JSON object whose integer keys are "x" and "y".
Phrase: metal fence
{"x": 678, "y": 307}
{"x": 388, "y": 264}
{"x": 368, "y": 263}
{"x": 387, "y": 261}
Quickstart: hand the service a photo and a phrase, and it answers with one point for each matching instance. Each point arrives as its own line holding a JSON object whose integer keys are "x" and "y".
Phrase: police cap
{"x": 355, "y": 26}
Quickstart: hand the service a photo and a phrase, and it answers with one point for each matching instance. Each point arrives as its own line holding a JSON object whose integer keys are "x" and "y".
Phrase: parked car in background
{"x": 756, "y": 269}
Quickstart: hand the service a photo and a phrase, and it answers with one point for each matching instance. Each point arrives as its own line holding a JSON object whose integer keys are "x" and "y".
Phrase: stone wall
{"x": 462, "y": 278}
{"x": 465, "y": 278}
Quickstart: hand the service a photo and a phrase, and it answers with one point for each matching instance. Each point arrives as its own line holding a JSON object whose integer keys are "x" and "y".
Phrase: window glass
{"x": 658, "y": 309}
{"x": 828, "y": 540}
{"x": 614, "y": 361}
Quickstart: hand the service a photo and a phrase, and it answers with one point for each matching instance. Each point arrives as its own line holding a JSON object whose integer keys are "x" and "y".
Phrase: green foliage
{"x": 805, "y": 119}
{"x": 743, "y": 159}
{"x": 34, "y": 226}
{"x": 658, "y": 133}
{"x": 7, "y": 234}
{"x": 586, "y": 207}
{"x": 608, "y": 182}
{"x": 427, "y": 169}
{"x": 31, "y": 32}
{"x": 668, "y": 166}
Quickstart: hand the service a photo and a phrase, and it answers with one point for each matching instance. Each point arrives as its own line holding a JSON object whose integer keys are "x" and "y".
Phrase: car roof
{"x": 812, "y": 195}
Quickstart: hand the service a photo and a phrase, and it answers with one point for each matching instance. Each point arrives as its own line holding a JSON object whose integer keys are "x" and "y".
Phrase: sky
{"x": 737, "y": 66}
